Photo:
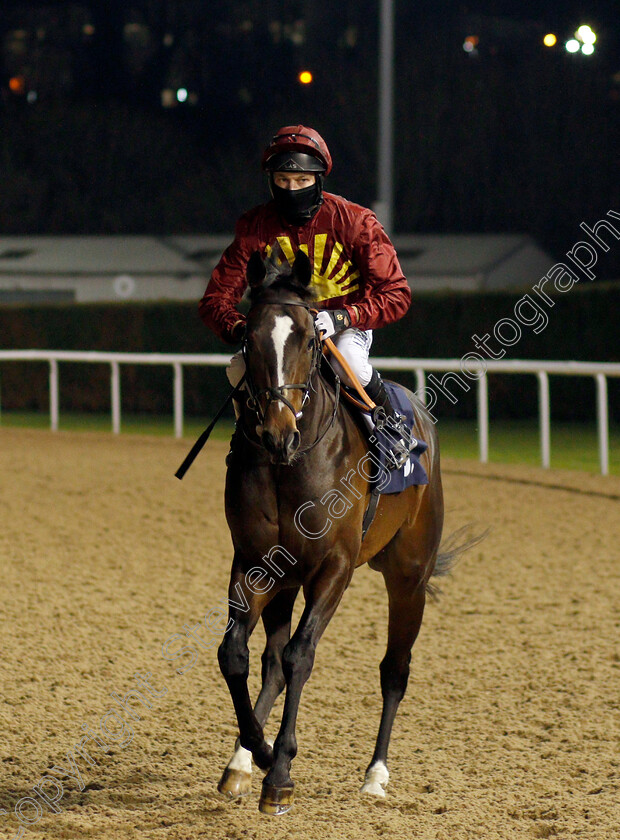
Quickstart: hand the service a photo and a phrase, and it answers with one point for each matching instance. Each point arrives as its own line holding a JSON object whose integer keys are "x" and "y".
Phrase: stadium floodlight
{"x": 587, "y": 49}
{"x": 572, "y": 46}
{"x": 585, "y": 34}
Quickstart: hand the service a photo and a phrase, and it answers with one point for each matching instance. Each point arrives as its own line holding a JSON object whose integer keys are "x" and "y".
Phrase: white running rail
{"x": 599, "y": 371}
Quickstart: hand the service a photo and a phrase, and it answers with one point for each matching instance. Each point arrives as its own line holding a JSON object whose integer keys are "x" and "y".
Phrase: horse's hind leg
{"x": 407, "y": 596}
{"x": 237, "y": 777}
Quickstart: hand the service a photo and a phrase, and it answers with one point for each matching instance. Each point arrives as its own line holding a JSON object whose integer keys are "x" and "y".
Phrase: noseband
{"x": 277, "y": 393}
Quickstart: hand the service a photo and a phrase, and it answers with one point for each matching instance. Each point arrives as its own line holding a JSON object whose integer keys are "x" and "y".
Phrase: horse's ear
{"x": 255, "y": 271}
{"x": 302, "y": 268}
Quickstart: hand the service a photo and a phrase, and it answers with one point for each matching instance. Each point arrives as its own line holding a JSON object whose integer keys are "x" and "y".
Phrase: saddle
{"x": 379, "y": 438}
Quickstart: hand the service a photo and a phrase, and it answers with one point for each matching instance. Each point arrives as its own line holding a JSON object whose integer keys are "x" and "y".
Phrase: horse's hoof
{"x": 376, "y": 780}
{"x": 372, "y": 789}
{"x": 235, "y": 783}
{"x": 275, "y": 800}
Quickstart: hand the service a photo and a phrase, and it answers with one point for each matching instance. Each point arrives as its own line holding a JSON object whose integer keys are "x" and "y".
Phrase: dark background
{"x": 511, "y": 137}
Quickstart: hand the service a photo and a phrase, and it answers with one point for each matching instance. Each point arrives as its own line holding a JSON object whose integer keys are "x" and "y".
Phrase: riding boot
{"x": 389, "y": 421}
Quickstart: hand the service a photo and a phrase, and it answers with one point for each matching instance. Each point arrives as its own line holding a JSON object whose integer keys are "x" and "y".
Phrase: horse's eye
{"x": 310, "y": 342}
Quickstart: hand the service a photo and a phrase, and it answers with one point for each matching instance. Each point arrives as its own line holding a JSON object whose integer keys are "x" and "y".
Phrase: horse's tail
{"x": 450, "y": 553}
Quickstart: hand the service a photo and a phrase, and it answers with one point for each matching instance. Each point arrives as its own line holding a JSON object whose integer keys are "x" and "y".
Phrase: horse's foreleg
{"x": 406, "y": 608}
{"x": 277, "y": 621}
{"x": 234, "y": 659}
{"x": 237, "y": 777}
{"x": 322, "y": 598}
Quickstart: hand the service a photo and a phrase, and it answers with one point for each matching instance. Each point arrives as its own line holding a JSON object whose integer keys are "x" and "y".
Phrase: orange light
{"x": 470, "y": 43}
{"x": 17, "y": 84}
{"x": 305, "y": 77}
{"x": 550, "y": 40}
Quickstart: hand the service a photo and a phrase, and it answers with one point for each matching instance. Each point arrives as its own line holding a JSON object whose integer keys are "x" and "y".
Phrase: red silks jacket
{"x": 355, "y": 266}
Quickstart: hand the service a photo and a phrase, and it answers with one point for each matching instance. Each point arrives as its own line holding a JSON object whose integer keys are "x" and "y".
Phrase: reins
{"x": 276, "y": 393}
{"x": 366, "y": 404}
{"x": 204, "y": 437}
{"x": 336, "y": 403}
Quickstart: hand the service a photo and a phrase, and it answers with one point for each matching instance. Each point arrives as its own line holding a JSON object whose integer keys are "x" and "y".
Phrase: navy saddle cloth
{"x": 412, "y": 472}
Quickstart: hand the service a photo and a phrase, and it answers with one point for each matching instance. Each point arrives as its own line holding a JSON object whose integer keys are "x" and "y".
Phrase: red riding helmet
{"x": 298, "y": 138}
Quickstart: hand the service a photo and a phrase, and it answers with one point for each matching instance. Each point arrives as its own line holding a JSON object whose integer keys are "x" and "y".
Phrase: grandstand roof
{"x": 92, "y": 268}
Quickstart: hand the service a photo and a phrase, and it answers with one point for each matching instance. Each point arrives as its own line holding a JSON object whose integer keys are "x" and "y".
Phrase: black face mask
{"x": 298, "y": 206}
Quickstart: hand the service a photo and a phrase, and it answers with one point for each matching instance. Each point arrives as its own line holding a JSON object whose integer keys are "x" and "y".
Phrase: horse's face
{"x": 281, "y": 343}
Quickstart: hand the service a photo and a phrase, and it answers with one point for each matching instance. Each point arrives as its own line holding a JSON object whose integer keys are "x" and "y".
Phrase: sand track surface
{"x": 509, "y": 729}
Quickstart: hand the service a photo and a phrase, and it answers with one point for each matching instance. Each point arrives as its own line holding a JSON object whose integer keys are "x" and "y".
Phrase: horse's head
{"x": 281, "y": 349}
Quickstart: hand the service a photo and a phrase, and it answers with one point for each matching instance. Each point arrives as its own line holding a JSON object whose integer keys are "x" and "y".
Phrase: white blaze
{"x": 282, "y": 329}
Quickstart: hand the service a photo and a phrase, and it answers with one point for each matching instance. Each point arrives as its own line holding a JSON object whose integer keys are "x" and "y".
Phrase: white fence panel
{"x": 599, "y": 371}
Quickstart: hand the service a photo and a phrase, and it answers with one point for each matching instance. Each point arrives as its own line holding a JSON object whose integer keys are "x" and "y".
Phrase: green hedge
{"x": 582, "y": 325}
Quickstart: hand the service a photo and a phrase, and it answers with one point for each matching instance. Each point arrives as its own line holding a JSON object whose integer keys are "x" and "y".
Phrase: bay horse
{"x": 295, "y": 499}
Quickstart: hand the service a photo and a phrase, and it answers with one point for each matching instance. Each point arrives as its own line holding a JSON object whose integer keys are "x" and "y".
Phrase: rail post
{"x": 602, "y": 421}
{"x": 178, "y": 399}
{"x": 54, "y": 395}
{"x": 115, "y": 396}
{"x": 420, "y": 384}
{"x": 544, "y": 418}
{"x": 483, "y": 418}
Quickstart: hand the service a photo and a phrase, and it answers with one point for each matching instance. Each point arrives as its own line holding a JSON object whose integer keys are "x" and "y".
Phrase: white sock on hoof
{"x": 241, "y": 760}
{"x": 376, "y": 779}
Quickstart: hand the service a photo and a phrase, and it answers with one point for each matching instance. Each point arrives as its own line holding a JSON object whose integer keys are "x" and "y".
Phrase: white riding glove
{"x": 330, "y": 322}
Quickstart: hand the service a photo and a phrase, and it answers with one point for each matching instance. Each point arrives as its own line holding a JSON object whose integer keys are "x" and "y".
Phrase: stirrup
{"x": 379, "y": 417}
{"x": 398, "y": 434}
{"x": 397, "y": 456}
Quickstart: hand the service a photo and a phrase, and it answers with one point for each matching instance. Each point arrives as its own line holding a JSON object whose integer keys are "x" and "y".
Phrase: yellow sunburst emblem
{"x": 331, "y": 282}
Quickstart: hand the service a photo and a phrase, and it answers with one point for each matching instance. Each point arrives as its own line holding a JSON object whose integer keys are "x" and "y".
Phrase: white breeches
{"x": 235, "y": 369}
{"x": 354, "y": 345}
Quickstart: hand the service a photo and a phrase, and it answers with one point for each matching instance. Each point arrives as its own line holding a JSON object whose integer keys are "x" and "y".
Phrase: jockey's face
{"x": 293, "y": 180}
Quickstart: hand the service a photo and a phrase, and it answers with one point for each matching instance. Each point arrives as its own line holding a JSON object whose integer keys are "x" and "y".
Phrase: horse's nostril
{"x": 269, "y": 442}
{"x": 281, "y": 447}
{"x": 292, "y": 441}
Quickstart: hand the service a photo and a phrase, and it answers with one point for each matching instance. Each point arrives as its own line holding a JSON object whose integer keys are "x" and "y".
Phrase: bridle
{"x": 277, "y": 393}
{"x": 272, "y": 393}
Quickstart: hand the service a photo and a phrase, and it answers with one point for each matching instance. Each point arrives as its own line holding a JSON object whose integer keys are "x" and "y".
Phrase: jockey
{"x": 358, "y": 283}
